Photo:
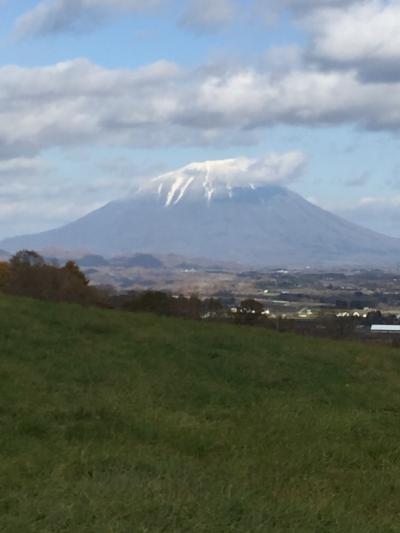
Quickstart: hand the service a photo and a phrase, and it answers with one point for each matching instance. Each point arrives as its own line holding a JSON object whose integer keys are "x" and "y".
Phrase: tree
{"x": 26, "y": 274}
{"x": 251, "y": 306}
{"x": 27, "y": 258}
{"x": 214, "y": 307}
{"x": 31, "y": 276}
{"x": 249, "y": 311}
{"x": 5, "y": 271}
{"x": 150, "y": 302}
{"x": 72, "y": 268}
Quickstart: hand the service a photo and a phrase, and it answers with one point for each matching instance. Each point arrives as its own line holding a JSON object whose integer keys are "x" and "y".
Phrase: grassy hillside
{"x": 123, "y": 423}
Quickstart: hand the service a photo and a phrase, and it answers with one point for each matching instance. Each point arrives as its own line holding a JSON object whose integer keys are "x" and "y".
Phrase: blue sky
{"x": 99, "y": 95}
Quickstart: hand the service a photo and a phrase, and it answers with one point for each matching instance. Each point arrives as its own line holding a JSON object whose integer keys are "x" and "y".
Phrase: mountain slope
{"x": 114, "y": 421}
{"x": 192, "y": 213}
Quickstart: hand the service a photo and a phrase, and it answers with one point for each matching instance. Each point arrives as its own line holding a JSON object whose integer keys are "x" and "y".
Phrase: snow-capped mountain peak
{"x": 218, "y": 179}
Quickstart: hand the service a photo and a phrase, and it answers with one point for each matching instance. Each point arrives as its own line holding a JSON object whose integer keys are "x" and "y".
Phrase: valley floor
{"x": 117, "y": 423}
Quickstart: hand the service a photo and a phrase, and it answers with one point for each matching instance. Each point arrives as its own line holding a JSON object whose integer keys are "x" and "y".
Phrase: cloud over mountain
{"x": 274, "y": 168}
{"x": 221, "y": 177}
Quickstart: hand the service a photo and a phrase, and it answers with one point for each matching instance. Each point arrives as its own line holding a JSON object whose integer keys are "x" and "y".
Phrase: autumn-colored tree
{"x": 72, "y": 268}
{"x": 26, "y": 274}
{"x": 30, "y": 275}
{"x": 27, "y": 258}
{"x": 4, "y": 274}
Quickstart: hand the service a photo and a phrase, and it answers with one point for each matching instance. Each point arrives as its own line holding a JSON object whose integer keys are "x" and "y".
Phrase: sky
{"x": 98, "y": 96}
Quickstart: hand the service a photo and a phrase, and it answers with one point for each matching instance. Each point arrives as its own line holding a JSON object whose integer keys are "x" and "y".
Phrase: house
{"x": 384, "y": 328}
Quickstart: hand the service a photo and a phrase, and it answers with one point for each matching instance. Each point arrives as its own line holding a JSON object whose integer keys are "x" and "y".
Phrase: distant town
{"x": 304, "y": 294}
{"x": 307, "y": 296}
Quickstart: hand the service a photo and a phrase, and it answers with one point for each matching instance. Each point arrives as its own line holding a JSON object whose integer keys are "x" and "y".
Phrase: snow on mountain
{"x": 217, "y": 179}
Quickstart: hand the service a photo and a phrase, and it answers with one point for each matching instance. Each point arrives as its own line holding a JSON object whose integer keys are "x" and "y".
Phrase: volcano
{"x": 196, "y": 212}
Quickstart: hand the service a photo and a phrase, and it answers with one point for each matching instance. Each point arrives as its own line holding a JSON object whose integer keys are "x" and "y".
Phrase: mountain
{"x": 92, "y": 261}
{"x": 137, "y": 260}
{"x": 196, "y": 212}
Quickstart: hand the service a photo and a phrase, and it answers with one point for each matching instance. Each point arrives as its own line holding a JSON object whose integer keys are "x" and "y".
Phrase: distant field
{"x": 120, "y": 423}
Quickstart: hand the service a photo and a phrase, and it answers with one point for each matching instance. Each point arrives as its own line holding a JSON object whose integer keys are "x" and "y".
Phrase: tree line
{"x": 28, "y": 274}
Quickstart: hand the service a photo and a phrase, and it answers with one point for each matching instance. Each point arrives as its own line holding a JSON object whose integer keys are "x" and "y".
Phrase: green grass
{"x": 121, "y": 423}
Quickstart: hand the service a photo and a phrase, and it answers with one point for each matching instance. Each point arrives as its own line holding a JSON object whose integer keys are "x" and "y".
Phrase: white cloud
{"x": 78, "y": 103}
{"x": 345, "y": 34}
{"x": 54, "y": 16}
{"x": 250, "y": 99}
{"x": 276, "y": 168}
{"x": 202, "y": 16}
{"x": 363, "y": 35}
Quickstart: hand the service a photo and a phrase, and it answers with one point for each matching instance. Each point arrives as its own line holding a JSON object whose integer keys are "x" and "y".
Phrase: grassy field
{"x": 124, "y": 423}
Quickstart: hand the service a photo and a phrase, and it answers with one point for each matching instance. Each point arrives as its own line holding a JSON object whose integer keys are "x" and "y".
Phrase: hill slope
{"x": 121, "y": 422}
{"x": 188, "y": 213}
